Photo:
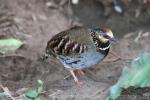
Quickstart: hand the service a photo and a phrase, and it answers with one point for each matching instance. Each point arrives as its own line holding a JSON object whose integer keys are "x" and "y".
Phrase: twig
{"x": 91, "y": 74}
{"x": 66, "y": 77}
{"x": 112, "y": 53}
{"x": 12, "y": 55}
{"x": 99, "y": 92}
{"x": 55, "y": 93}
{"x": 138, "y": 37}
{"x": 115, "y": 60}
{"x": 7, "y": 92}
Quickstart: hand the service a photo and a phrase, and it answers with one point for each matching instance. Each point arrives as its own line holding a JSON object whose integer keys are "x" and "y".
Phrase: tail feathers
{"x": 45, "y": 57}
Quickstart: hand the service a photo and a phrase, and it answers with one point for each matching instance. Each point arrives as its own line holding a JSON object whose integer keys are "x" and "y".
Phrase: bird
{"x": 79, "y": 47}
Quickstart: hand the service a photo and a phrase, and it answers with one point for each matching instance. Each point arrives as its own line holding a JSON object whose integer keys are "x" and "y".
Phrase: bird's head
{"x": 103, "y": 34}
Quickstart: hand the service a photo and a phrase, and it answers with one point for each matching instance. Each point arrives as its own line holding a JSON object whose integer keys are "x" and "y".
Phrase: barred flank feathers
{"x": 65, "y": 46}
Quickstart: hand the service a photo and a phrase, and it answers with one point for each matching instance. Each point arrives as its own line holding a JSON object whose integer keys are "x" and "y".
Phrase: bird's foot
{"x": 75, "y": 78}
{"x": 79, "y": 83}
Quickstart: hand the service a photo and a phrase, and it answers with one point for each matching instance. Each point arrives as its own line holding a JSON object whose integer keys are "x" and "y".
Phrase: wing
{"x": 69, "y": 42}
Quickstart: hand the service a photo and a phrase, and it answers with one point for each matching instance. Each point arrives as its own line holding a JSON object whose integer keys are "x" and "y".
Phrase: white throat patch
{"x": 105, "y": 48}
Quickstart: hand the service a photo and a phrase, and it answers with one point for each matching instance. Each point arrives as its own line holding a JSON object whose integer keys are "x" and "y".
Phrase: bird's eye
{"x": 106, "y": 36}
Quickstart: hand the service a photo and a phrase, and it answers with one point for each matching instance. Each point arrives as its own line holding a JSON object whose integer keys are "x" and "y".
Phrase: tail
{"x": 48, "y": 54}
{"x": 45, "y": 57}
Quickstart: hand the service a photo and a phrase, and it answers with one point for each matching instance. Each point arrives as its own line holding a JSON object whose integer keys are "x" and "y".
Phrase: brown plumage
{"x": 65, "y": 43}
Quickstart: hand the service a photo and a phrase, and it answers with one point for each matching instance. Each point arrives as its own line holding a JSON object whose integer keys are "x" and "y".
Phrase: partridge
{"x": 80, "y": 47}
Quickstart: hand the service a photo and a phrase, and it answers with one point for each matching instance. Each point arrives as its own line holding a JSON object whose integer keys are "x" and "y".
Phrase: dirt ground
{"x": 36, "y": 21}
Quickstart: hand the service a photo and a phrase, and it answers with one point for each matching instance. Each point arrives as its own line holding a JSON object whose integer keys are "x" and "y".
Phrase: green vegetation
{"x": 9, "y": 45}
{"x": 35, "y": 94}
{"x": 137, "y": 75}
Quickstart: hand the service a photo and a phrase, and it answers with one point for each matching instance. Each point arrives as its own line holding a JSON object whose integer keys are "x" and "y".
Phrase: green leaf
{"x": 26, "y": 98}
{"x": 40, "y": 89}
{"x": 137, "y": 75}
{"x": 40, "y": 82}
{"x": 38, "y": 98}
{"x": 35, "y": 93}
{"x": 32, "y": 93}
{"x": 9, "y": 45}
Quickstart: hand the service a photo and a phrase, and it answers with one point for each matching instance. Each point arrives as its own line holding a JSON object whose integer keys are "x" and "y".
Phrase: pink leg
{"x": 80, "y": 72}
{"x": 75, "y": 78}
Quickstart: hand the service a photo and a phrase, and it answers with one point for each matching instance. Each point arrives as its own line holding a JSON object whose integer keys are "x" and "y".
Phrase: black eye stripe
{"x": 106, "y": 36}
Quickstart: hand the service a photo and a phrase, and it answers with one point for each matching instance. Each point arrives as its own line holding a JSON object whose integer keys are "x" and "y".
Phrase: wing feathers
{"x": 65, "y": 46}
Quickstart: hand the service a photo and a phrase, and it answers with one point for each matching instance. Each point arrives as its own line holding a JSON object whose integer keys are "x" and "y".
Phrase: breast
{"x": 84, "y": 60}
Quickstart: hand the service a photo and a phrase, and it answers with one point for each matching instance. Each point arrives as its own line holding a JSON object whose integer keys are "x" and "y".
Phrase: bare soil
{"x": 35, "y": 23}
